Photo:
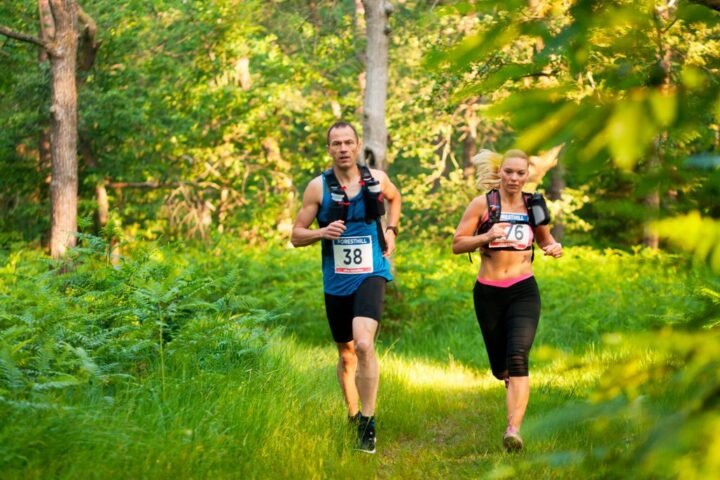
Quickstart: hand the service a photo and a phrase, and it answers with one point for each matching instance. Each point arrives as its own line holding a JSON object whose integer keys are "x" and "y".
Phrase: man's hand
{"x": 334, "y": 230}
{"x": 389, "y": 243}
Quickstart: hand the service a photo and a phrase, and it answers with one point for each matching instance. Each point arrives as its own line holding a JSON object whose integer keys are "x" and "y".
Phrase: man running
{"x": 348, "y": 201}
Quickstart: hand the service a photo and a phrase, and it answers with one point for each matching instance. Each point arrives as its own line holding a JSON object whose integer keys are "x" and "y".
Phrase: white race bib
{"x": 353, "y": 255}
{"x": 517, "y": 235}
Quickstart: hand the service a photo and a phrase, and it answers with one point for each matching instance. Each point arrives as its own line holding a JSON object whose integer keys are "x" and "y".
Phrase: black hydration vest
{"x": 372, "y": 199}
{"x": 538, "y": 214}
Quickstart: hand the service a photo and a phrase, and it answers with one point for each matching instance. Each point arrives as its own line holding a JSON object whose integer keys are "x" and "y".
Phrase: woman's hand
{"x": 554, "y": 250}
{"x": 497, "y": 232}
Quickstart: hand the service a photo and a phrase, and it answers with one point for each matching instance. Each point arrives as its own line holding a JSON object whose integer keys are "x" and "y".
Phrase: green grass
{"x": 218, "y": 363}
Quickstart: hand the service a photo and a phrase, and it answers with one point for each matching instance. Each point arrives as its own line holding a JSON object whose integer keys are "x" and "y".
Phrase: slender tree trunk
{"x": 101, "y": 197}
{"x": 470, "y": 141}
{"x": 652, "y": 200}
{"x": 63, "y": 128}
{"x": 557, "y": 185}
{"x": 88, "y": 47}
{"x": 377, "y": 13}
{"x": 443, "y": 149}
{"x": 359, "y": 18}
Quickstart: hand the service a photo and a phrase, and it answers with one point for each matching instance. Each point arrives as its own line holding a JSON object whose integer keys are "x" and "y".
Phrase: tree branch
{"x": 47, "y": 22}
{"x": 150, "y": 185}
{"x": 22, "y": 37}
{"x": 88, "y": 40}
{"x": 90, "y": 25}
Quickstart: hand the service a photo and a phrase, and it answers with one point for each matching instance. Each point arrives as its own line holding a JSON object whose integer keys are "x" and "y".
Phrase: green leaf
{"x": 695, "y": 234}
{"x": 629, "y": 133}
{"x": 663, "y": 107}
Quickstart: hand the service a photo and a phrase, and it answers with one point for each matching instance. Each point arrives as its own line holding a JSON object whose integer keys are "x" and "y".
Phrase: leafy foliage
{"x": 179, "y": 351}
{"x": 630, "y": 82}
{"x": 100, "y": 325}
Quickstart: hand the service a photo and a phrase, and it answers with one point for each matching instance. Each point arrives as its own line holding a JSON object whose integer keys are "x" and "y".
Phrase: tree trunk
{"x": 59, "y": 40}
{"x": 470, "y": 140}
{"x": 63, "y": 128}
{"x": 557, "y": 185}
{"x": 665, "y": 15}
{"x": 377, "y": 13}
{"x": 359, "y": 18}
{"x": 103, "y": 206}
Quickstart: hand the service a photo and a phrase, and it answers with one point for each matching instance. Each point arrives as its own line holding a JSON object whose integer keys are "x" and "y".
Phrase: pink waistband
{"x": 508, "y": 282}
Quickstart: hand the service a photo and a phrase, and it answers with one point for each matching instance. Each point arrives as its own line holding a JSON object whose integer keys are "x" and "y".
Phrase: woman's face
{"x": 513, "y": 174}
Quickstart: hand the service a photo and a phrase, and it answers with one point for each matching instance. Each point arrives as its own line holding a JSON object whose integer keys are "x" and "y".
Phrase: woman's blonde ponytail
{"x": 487, "y": 165}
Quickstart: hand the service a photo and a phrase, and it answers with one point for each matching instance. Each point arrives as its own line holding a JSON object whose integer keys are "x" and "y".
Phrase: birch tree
{"x": 377, "y": 15}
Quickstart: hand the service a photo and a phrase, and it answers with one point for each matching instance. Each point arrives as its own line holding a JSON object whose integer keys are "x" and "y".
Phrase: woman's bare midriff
{"x": 504, "y": 264}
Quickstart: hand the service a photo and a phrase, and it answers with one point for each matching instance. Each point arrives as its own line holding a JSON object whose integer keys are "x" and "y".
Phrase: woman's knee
{"x": 518, "y": 364}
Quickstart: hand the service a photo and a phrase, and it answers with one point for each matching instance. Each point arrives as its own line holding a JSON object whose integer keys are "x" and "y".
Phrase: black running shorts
{"x": 367, "y": 301}
{"x": 508, "y": 319}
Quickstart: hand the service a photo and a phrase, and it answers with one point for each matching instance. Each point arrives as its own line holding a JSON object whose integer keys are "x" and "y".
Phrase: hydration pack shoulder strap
{"x": 526, "y": 199}
{"x": 365, "y": 174}
{"x": 339, "y": 199}
{"x": 494, "y": 206}
{"x": 339, "y": 203}
{"x": 374, "y": 202}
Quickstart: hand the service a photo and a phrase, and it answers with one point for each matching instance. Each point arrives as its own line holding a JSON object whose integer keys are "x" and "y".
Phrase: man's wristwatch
{"x": 394, "y": 229}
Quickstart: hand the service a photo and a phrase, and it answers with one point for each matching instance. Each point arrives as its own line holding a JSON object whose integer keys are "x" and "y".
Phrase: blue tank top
{"x": 356, "y": 255}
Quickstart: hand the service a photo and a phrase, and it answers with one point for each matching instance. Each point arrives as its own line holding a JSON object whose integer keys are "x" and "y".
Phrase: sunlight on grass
{"x": 418, "y": 374}
{"x": 564, "y": 371}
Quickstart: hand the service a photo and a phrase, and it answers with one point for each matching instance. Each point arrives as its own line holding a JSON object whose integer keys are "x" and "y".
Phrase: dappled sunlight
{"x": 420, "y": 374}
{"x": 553, "y": 370}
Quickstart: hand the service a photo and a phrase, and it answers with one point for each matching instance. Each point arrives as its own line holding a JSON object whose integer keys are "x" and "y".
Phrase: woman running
{"x": 506, "y": 296}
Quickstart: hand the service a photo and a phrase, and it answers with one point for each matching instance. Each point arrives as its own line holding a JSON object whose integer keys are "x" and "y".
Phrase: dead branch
{"x": 23, "y": 37}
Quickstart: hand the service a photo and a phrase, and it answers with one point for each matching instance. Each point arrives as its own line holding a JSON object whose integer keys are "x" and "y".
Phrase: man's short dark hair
{"x": 340, "y": 124}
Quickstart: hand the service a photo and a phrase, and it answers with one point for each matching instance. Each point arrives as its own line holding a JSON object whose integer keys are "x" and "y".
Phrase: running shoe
{"x": 366, "y": 434}
{"x": 512, "y": 441}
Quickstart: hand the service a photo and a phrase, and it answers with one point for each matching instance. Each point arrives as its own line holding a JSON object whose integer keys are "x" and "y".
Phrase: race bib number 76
{"x": 353, "y": 255}
{"x": 517, "y": 235}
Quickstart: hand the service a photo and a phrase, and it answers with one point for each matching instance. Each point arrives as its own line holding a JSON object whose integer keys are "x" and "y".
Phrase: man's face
{"x": 343, "y": 147}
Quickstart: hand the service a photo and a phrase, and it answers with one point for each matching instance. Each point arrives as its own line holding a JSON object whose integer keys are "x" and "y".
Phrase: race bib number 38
{"x": 353, "y": 255}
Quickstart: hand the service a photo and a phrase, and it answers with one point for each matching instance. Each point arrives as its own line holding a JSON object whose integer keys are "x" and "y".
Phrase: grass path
{"x": 249, "y": 388}
{"x": 434, "y": 420}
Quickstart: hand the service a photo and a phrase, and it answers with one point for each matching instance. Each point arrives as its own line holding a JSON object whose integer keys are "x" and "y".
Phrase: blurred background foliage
{"x": 208, "y": 117}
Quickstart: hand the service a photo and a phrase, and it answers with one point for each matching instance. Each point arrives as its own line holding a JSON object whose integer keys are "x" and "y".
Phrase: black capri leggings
{"x": 508, "y": 319}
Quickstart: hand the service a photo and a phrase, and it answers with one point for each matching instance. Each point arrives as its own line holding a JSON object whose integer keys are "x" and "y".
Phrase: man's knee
{"x": 348, "y": 358}
{"x": 364, "y": 348}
